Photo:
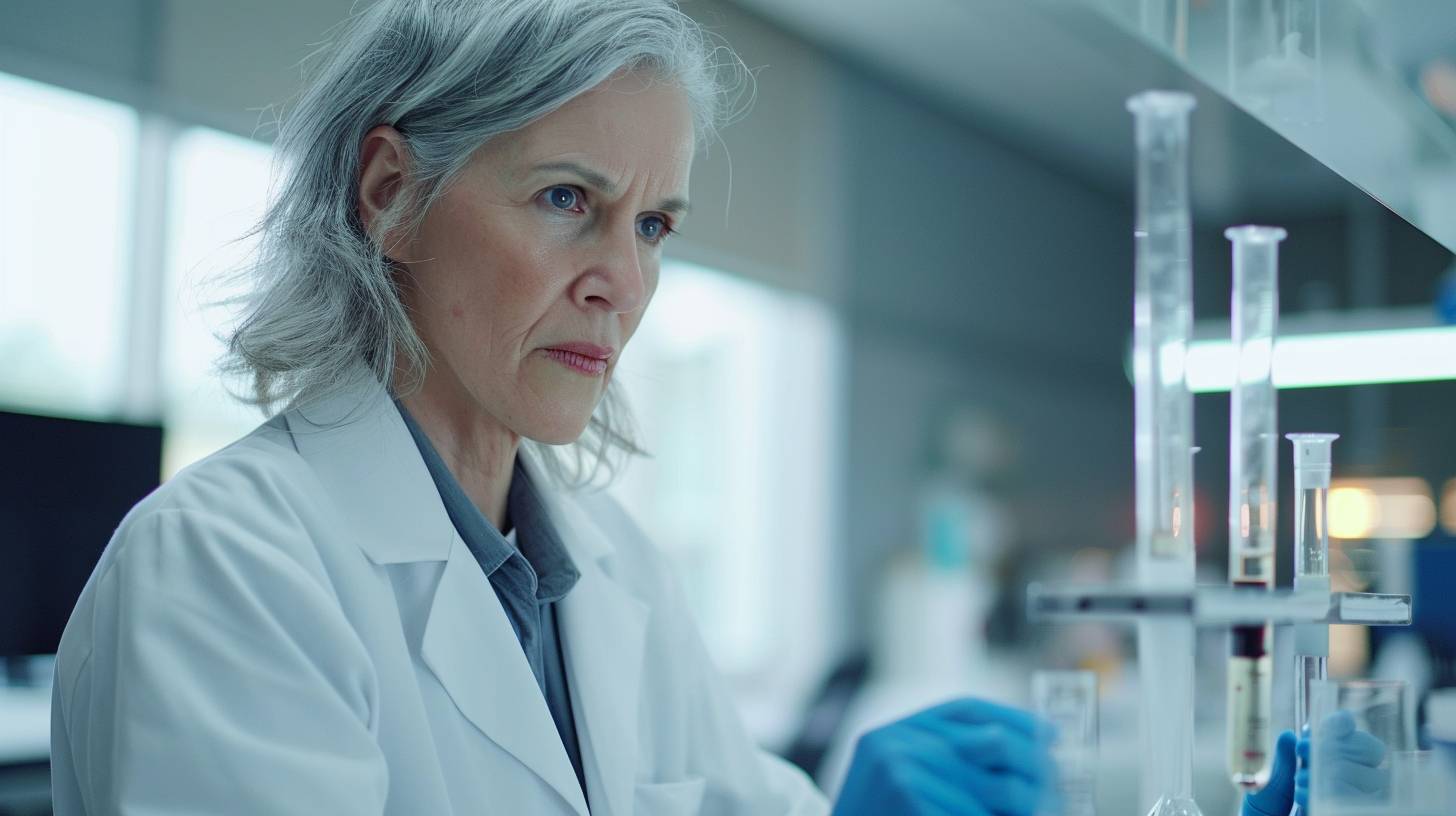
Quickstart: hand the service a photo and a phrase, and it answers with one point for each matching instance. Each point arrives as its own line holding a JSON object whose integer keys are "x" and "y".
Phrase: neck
{"x": 479, "y": 451}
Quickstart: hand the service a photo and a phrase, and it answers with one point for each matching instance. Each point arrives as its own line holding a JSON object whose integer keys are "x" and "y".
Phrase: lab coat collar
{"x": 364, "y": 455}
{"x": 493, "y": 685}
{"x": 359, "y": 445}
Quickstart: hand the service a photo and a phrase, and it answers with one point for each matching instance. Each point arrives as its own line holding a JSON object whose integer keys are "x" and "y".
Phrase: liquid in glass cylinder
{"x": 1309, "y": 527}
{"x": 1308, "y": 670}
{"x": 1249, "y": 698}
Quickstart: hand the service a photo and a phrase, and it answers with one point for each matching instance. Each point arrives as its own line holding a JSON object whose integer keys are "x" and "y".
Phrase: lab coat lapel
{"x": 471, "y": 648}
{"x": 604, "y": 631}
{"x": 358, "y": 445}
{"x": 366, "y": 459}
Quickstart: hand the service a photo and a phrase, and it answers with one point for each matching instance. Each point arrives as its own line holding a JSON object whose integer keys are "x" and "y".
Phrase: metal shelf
{"x": 1216, "y": 605}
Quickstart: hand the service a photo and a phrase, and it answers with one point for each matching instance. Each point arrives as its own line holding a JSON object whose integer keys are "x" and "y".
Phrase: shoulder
{"x": 245, "y": 505}
{"x": 260, "y": 473}
{"x": 238, "y": 527}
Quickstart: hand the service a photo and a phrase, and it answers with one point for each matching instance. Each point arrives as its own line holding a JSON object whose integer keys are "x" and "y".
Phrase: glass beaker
{"x": 1275, "y": 59}
{"x": 1361, "y": 732}
{"x": 1068, "y": 700}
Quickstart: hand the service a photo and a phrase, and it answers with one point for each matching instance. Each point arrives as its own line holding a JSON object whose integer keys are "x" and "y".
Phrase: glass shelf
{"x": 1367, "y": 89}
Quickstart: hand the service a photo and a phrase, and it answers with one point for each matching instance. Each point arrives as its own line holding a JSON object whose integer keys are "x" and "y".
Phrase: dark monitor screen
{"x": 64, "y": 486}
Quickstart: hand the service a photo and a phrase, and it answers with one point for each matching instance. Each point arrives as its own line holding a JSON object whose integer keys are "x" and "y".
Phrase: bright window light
{"x": 1337, "y": 358}
{"x": 66, "y": 164}
{"x": 733, "y": 387}
{"x": 218, "y": 188}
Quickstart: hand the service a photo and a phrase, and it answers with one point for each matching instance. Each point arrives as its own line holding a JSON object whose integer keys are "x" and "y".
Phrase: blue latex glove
{"x": 967, "y": 757}
{"x": 1354, "y": 755}
{"x": 1278, "y": 796}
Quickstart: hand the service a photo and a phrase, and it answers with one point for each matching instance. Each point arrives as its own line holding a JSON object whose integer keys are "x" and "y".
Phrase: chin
{"x": 559, "y": 431}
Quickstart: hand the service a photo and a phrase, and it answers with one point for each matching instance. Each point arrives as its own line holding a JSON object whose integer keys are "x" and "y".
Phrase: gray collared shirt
{"x": 529, "y": 576}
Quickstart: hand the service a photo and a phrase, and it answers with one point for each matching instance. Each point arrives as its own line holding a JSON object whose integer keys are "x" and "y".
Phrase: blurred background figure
{"x": 949, "y": 572}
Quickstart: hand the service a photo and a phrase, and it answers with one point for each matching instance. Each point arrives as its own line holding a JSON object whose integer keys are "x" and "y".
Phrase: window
{"x": 217, "y": 191}
{"x": 734, "y": 388}
{"x": 66, "y": 164}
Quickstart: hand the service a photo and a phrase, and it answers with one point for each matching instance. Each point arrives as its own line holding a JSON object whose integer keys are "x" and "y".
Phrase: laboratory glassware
{"x": 1275, "y": 60}
{"x": 1163, "y": 410}
{"x": 1068, "y": 700}
{"x": 1253, "y": 446}
{"x": 1311, "y": 559}
{"x": 1380, "y": 709}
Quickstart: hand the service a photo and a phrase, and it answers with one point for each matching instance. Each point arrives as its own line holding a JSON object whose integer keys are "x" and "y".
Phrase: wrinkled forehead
{"x": 629, "y": 126}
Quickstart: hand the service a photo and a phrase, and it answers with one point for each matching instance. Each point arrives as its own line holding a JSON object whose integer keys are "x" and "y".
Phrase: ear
{"x": 383, "y": 162}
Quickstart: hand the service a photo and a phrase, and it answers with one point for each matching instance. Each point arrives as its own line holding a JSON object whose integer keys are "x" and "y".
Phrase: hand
{"x": 1280, "y": 794}
{"x": 968, "y": 757}
{"x": 1354, "y": 758}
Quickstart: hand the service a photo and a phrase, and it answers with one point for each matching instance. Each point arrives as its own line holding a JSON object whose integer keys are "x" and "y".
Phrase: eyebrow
{"x": 674, "y": 205}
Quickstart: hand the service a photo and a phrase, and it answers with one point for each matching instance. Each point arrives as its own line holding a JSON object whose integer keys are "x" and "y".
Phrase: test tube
{"x": 1311, "y": 559}
{"x": 1163, "y": 411}
{"x": 1253, "y": 446}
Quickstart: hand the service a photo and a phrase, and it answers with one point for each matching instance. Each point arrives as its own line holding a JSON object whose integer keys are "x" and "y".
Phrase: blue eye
{"x": 653, "y": 228}
{"x": 563, "y": 198}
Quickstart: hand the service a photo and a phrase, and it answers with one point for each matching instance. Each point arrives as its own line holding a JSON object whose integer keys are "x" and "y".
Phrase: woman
{"x": 389, "y": 598}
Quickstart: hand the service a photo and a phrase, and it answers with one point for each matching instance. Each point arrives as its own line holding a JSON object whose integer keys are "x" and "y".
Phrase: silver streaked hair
{"x": 449, "y": 75}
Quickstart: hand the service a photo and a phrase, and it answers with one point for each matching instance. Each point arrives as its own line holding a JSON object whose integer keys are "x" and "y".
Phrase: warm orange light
{"x": 1387, "y": 508}
{"x": 1353, "y": 511}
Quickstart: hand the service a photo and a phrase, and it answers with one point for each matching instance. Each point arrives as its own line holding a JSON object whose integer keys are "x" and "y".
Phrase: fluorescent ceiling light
{"x": 1336, "y": 358}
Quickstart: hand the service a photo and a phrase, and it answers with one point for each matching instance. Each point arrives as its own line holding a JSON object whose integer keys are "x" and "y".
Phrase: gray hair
{"x": 448, "y": 75}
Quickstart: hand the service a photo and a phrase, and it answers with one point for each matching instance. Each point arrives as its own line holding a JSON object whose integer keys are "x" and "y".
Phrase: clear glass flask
{"x": 1068, "y": 700}
{"x": 1163, "y": 411}
{"x": 1253, "y": 473}
{"x": 1311, "y": 559}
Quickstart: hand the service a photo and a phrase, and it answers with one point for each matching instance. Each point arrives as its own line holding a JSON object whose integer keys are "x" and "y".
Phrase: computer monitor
{"x": 64, "y": 486}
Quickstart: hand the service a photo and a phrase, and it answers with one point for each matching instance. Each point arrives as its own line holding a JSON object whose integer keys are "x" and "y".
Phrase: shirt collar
{"x": 539, "y": 542}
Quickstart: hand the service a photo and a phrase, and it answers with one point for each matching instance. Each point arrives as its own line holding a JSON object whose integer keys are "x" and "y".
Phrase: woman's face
{"x": 531, "y": 273}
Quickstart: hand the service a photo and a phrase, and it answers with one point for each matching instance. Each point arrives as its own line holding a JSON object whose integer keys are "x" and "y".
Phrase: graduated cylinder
{"x": 1253, "y": 448}
{"x": 1163, "y": 441}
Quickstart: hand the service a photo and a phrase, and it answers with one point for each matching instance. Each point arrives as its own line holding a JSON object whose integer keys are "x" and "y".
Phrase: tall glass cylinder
{"x": 1162, "y": 319}
{"x": 1253, "y": 446}
{"x": 1163, "y": 441}
{"x": 1312, "y": 465}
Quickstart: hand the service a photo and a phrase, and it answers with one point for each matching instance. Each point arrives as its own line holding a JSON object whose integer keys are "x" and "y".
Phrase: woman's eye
{"x": 563, "y": 198}
{"x": 653, "y": 228}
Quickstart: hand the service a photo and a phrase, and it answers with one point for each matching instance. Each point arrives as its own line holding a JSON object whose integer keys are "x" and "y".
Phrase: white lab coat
{"x": 293, "y": 626}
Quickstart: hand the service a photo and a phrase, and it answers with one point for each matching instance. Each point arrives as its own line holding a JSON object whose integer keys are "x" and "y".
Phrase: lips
{"x": 584, "y": 349}
{"x": 583, "y": 358}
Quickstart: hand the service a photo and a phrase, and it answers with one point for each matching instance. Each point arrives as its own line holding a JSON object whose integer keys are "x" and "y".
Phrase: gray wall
{"x": 976, "y": 275}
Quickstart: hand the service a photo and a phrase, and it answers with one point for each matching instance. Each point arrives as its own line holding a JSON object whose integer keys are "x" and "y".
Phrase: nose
{"x": 614, "y": 279}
